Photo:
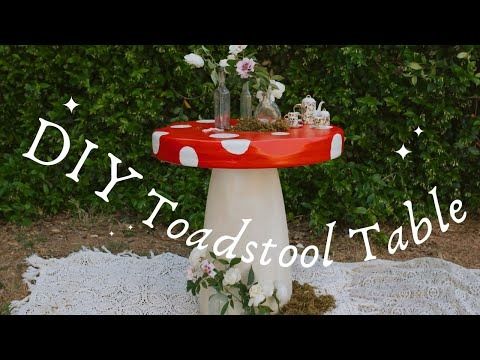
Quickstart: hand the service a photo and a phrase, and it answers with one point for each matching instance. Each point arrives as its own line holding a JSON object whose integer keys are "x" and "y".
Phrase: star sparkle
{"x": 71, "y": 104}
{"x": 418, "y": 131}
{"x": 403, "y": 151}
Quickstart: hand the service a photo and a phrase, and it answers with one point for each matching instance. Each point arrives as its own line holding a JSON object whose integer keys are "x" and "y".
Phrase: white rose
{"x": 259, "y": 95}
{"x": 232, "y": 276}
{"x": 278, "y": 91}
{"x": 223, "y": 63}
{"x": 236, "y": 49}
{"x": 256, "y": 295}
{"x": 231, "y": 57}
{"x": 276, "y": 94}
{"x": 196, "y": 256}
{"x": 267, "y": 289}
{"x": 195, "y": 60}
{"x": 279, "y": 85}
{"x": 282, "y": 293}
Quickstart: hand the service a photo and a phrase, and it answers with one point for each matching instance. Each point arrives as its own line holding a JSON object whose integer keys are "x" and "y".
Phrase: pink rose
{"x": 245, "y": 67}
{"x": 208, "y": 268}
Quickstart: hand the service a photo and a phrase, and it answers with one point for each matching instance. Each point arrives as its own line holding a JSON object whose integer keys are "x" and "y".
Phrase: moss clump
{"x": 255, "y": 125}
{"x": 304, "y": 301}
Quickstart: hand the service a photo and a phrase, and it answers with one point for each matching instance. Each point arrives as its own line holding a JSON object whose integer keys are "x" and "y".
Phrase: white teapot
{"x": 322, "y": 115}
{"x": 307, "y": 109}
{"x": 310, "y": 112}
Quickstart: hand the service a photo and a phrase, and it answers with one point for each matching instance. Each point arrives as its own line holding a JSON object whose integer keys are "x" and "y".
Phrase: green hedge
{"x": 378, "y": 94}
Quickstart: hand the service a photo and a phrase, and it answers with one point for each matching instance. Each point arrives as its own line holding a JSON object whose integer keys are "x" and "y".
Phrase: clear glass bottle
{"x": 267, "y": 110}
{"x": 221, "y": 98}
{"x": 245, "y": 102}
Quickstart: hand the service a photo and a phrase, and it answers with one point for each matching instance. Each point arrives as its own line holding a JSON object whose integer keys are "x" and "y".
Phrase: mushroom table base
{"x": 236, "y": 194}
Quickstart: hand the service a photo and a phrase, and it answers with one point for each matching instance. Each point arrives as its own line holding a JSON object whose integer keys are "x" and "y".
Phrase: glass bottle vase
{"x": 245, "y": 102}
{"x": 221, "y": 99}
{"x": 267, "y": 110}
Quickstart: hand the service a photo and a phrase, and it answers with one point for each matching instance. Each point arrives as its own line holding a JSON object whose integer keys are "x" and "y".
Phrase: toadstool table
{"x": 244, "y": 183}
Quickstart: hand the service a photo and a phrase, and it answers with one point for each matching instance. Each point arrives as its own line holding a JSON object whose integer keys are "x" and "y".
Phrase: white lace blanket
{"x": 98, "y": 282}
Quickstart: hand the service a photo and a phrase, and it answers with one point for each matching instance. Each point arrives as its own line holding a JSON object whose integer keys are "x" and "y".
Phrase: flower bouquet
{"x": 267, "y": 84}
{"x": 223, "y": 276}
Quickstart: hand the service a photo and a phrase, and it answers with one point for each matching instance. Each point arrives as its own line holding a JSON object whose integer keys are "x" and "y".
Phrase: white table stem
{"x": 236, "y": 194}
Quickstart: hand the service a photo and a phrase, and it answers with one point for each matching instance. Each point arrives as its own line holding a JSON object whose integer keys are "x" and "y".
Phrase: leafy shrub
{"x": 378, "y": 94}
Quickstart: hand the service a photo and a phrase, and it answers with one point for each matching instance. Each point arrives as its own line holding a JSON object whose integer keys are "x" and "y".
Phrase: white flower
{"x": 282, "y": 293}
{"x": 236, "y": 49}
{"x": 195, "y": 60}
{"x": 196, "y": 256}
{"x": 278, "y": 91}
{"x": 267, "y": 288}
{"x": 276, "y": 94}
{"x": 256, "y": 295}
{"x": 231, "y": 57}
{"x": 259, "y": 95}
{"x": 208, "y": 268}
{"x": 223, "y": 63}
{"x": 232, "y": 276}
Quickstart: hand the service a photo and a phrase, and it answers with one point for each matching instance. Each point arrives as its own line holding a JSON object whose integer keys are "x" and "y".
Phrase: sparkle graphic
{"x": 418, "y": 131}
{"x": 111, "y": 233}
{"x": 403, "y": 151}
{"x": 130, "y": 227}
{"x": 71, "y": 104}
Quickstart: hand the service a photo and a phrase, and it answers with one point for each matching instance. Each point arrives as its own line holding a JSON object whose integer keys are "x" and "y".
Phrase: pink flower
{"x": 245, "y": 67}
{"x": 190, "y": 275}
{"x": 208, "y": 268}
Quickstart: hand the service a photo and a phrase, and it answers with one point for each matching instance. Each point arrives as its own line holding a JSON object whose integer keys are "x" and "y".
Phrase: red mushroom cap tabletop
{"x": 195, "y": 144}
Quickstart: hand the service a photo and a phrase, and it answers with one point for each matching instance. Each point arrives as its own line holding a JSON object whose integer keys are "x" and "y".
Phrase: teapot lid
{"x": 308, "y": 99}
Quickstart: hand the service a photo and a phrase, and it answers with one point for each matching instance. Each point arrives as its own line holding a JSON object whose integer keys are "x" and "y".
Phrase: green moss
{"x": 255, "y": 125}
{"x": 304, "y": 301}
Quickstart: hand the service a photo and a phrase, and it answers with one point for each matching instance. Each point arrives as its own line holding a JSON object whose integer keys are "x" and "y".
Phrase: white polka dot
{"x": 206, "y": 121}
{"x": 188, "y": 157}
{"x": 336, "y": 146}
{"x": 156, "y": 140}
{"x": 280, "y": 133}
{"x": 181, "y": 126}
{"x": 237, "y": 147}
{"x": 224, "y": 136}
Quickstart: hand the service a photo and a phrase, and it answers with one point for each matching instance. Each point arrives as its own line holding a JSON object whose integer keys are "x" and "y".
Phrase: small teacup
{"x": 321, "y": 122}
{"x": 294, "y": 119}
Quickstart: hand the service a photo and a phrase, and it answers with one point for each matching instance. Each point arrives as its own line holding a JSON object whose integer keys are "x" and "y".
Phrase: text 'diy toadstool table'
{"x": 245, "y": 183}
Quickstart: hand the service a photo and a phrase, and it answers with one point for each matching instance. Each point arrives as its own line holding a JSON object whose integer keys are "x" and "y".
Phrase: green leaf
{"x": 360, "y": 210}
{"x": 223, "y": 261}
{"x": 462, "y": 55}
{"x": 263, "y": 310}
{"x": 276, "y": 298}
{"x": 415, "y": 66}
{"x": 224, "y": 308}
{"x": 368, "y": 100}
{"x": 251, "y": 277}
{"x": 414, "y": 80}
{"x": 214, "y": 77}
{"x": 235, "y": 261}
{"x": 212, "y": 254}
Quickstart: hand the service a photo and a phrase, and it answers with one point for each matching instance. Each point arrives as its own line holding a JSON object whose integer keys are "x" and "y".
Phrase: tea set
{"x": 309, "y": 114}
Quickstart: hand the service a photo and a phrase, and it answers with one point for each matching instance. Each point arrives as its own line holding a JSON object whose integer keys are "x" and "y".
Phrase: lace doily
{"x": 98, "y": 282}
